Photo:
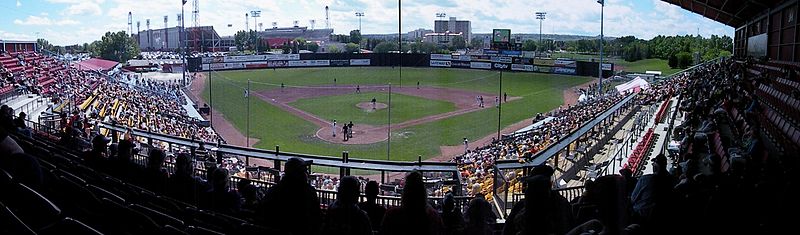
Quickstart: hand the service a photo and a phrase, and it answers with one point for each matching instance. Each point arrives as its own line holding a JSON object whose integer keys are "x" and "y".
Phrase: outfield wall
{"x": 483, "y": 62}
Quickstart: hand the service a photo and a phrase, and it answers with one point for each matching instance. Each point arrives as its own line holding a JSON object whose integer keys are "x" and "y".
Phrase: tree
{"x": 427, "y": 47}
{"x": 385, "y": 47}
{"x": 44, "y": 44}
{"x": 117, "y": 46}
{"x": 355, "y": 36}
{"x": 312, "y": 46}
{"x": 351, "y": 48}
{"x": 673, "y": 61}
{"x": 241, "y": 41}
{"x": 334, "y": 49}
{"x": 684, "y": 59}
{"x": 529, "y": 45}
{"x": 286, "y": 48}
{"x": 476, "y": 43}
{"x": 458, "y": 42}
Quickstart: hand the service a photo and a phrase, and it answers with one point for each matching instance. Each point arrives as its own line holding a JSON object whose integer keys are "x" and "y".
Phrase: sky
{"x": 68, "y": 22}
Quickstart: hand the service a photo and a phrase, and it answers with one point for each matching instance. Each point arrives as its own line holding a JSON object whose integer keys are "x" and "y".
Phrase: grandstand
{"x": 708, "y": 150}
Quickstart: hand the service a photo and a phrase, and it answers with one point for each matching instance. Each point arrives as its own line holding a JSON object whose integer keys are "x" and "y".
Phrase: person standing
{"x": 481, "y": 101}
{"x": 282, "y": 86}
{"x": 497, "y": 101}
{"x": 373, "y": 102}
{"x": 505, "y": 97}
{"x": 417, "y": 85}
{"x": 333, "y": 127}
{"x": 358, "y": 88}
{"x": 344, "y": 132}
{"x": 466, "y": 145}
{"x": 350, "y": 130}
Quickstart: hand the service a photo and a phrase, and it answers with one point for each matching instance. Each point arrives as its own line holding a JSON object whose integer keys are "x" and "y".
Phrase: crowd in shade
{"x": 745, "y": 188}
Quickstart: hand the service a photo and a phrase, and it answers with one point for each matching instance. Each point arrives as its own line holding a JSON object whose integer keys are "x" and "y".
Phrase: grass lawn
{"x": 273, "y": 126}
{"x": 343, "y": 107}
{"x": 648, "y": 64}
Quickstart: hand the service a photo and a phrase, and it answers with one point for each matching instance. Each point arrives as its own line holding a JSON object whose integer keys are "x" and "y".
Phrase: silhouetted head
{"x": 125, "y": 150}
{"x": 183, "y": 164}
{"x": 220, "y": 179}
{"x": 295, "y": 170}
{"x": 156, "y": 159}
{"x": 414, "y": 194}
{"x": 371, "y": 190}
{"x": 349, "y": 189}
{"x": 449, "y": 202}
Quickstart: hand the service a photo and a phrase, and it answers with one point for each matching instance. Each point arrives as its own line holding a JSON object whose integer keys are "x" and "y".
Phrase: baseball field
{"x": 294, "y": 108}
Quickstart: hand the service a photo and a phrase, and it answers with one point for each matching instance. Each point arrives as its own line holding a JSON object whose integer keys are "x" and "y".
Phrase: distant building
{"x": 418, "y": 34}
{"x": 454, "y": 26}
{"x": 442, "y": 38}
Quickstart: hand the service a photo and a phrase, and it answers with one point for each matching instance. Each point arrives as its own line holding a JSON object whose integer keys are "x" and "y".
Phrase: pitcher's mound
{"x": 367, "y": 106}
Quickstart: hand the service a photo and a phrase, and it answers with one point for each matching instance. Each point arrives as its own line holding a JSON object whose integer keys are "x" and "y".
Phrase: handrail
{"x": 352, "y": 163}
{"x": 553, "y": 149}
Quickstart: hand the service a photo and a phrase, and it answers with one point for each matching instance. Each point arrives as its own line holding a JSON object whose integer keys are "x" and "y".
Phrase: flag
{"x": 246, "y": 93}
{"x": 184, "y": 1}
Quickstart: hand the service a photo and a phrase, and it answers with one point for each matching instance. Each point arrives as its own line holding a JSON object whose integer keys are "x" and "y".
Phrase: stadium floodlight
{"x": 540, "y": 16}
{"x": 359, "y": 15}
{"x": 600, "y": 64}
{"x": 255, "y": 14}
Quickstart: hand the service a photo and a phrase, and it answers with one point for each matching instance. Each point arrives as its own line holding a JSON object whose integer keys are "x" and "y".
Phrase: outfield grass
{"x": 648, "y": 65}
{"x": 273, "y": 126}
{"x": 343, "y": 107}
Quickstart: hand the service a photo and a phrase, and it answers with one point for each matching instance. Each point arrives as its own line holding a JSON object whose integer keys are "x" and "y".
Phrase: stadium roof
{"x": 95, "y": 64}
{"x": 734, "y": 13}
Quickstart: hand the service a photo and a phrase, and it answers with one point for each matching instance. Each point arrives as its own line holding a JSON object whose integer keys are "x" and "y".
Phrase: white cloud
{"x": 19, "y": 4}
{"x": 15, "y": 36}
{"x": 44, "y": 21}
{"x": 84, "y": 8}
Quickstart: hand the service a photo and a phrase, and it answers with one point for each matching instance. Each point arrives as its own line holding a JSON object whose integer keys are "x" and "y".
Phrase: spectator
{"x": 374, "y": 210}
{"x": 155, "y": 176}
{"x": 182, "y": 184}
{"x": 452, "y": 218}
{"x": 97, "y": 156}
{"x": 292, "y": 205}
{"x": 344, "y": 216}
{"x": 652, "y": 199}
{"x": 541, "y": 212}
{"x": 221, "y": 198}
{"x": 478, "y": 217}
{"x": 249, "y": 193}
{"x": 415, "y": 216}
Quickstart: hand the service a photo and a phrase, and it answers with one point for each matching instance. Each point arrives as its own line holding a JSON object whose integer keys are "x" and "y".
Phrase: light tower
{"x": 327, "y": 18}
{"x": 359, "y": 15}
{"x": 274, "y": 25}
{"x": 255, "y": 14}
{"x": 540, "y": 16}
{"x": 149, "y": 42}
{"x": 196, "y": 25}
{"x": 166, "y": 34}
{"x": 312, "y": 23}
{"x": 441, "y": 16}
{"x": 247, "y": 22}
{"x": 138, "y": 32}
{"x": 296, "y": 23}
{"x": 600, "y": 65}
{"x": 130, "y": 23}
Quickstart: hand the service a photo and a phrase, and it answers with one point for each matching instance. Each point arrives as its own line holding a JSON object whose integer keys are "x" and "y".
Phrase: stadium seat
{"x": 193, "y": 230}
{"x": 159, "y": 217}
{"x": 11, "y": 224}
{"x": 103, "y": 193}
{"x": 127, "y": 221}
{"x": 34, "y": 209}
{"x": 70, "y": 226}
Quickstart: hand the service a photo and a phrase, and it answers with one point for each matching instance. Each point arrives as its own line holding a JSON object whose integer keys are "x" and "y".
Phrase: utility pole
{"x": 600, "y": 65}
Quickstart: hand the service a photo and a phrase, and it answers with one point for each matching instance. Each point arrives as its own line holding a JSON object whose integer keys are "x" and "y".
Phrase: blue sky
{"x": 65, "y": 22}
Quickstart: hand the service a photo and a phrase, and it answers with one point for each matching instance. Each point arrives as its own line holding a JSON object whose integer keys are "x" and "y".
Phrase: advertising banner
{"x": 522, "y": 67}
{"x": 459, "y": 64}
{"x": 564, "y": 70}
{"x": 480, "y": 65}
{"x": 462, "y": 57}
{"x": 501, "y": 35}
{"x": 340, "y": 62}
{"x": 501, "y": 59}
{"x": 441, "y": 57}
{"x": 205, "y": 67}
{"x": 439, "y": 63}
{"x": 359, "y": 62}
{"x": 520, "y": 60}
{"x": 543, "y": 69}
{"x": 500, "y": 66}
{"x": 490, "y": 52}
{"x": 480, "y": 58}
{"x": 607, "y": 66}
{"x": 511, "y": 53}
{"x": 309, "y": 63}
{"x": 565, "y": 63}
{"x": 277, "y": 64}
